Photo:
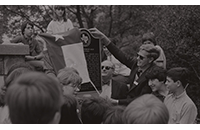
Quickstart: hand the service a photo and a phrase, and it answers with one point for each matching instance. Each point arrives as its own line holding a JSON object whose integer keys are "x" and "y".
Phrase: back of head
{"x": 146, "y": 109}
{"x": 15, "y": 74}
{"x": 157, "y": 73}
{"x": 113, "y": 115}
{"x": 179, "y": 73}
{"x": 19, "y": 65}
{"x": 93, "y": 109}
{"x": 34, "y": 98}
{"x": 69, "y": 75}
{"x": 153, "y": 51}
{"x": 69, "y": 111}
{"x": 149, "y": 36}
{"x": 68, "y": 69}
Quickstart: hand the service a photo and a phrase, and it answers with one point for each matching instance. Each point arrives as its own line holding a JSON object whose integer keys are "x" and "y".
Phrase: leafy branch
{"x": 23, "y": 16}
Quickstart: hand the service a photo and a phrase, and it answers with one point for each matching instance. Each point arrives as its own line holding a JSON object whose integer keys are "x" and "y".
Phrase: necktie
{"x": 139, "y": 73}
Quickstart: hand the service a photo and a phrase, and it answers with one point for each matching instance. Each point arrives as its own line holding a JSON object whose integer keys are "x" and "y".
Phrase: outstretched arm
{"x": 122, "y": 57}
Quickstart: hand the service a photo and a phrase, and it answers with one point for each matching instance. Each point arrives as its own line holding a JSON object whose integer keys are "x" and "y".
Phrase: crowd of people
{"x": 149, "y": 76}
{"x": 34, "y": 94}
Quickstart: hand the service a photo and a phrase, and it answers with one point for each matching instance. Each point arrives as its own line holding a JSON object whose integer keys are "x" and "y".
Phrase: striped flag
{"x": 67, "y": 50}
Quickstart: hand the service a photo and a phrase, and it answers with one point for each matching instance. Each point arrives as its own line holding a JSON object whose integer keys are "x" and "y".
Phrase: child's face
{"x": 171, "y": 85}
{"x": 70, "y": 89}
{"x": 155, "y": 84}
{"x": 59, "y": 12}
{"x": 28, "y": 31}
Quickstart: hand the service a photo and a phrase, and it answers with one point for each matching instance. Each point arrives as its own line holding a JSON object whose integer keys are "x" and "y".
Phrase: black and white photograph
{"x": 99, "y": 64}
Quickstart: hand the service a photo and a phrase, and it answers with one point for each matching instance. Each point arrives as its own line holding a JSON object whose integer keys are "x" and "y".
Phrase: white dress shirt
{"x": 106, "y": 90}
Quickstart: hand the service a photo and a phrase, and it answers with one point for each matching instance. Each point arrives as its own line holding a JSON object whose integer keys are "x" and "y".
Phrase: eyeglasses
{"x": 75, "y": 86}
{"x": 106, "y": 67}
{"x": 141, "y": 57}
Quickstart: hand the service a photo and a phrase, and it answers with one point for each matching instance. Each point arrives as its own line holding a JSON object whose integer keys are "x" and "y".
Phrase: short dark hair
{"x": 24, "y": 24}
{"x": 14, "y": 75}
{"x": 113, "y": 115}
{"x": 93, "y": 109}
{"x": 19, "y": 65}
{"x": 149, "y": 36}
{"x": 34, "y": 98}
{"x": 146, "y": 109}
{"x": 69, "y": 113}
{"x": 179, "y": 73}
{"x": 157, "y": 73}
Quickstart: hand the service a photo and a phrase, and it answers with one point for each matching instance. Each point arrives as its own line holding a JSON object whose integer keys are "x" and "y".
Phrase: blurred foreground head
{"x": 34, "y": 98}
{"x": 146, "y": 109}
{"x": 93, "y": 110}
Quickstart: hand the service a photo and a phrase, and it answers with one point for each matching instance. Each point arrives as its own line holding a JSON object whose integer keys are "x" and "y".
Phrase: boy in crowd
{"x": 35, "y": 50}
{"x": 182, "y": 109}
{"x": 156, "y": 80}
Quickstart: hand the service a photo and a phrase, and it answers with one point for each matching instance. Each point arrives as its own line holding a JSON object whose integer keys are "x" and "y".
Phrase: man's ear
{"x": 178, "y": 82}
{"x": 151, "y": 59}
{"x": 56, "y": 118}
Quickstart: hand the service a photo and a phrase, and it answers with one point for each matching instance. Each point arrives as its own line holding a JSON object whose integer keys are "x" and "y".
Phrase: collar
{"x": 152, "y": 65}
{"x": 60, "y": 22}
{"x": 107, "y": 83}
{"x": 139, "y": 72}
{"x": 179, "y": 96}
{"x": 27, "y": 38}
{"x": 143, "y": 70}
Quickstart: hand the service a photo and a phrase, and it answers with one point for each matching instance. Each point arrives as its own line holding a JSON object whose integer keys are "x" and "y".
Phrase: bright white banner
{"x": 74, "y": 57}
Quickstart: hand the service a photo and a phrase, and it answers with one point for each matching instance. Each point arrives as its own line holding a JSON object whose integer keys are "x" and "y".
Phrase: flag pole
{"x": 94, "y": 87}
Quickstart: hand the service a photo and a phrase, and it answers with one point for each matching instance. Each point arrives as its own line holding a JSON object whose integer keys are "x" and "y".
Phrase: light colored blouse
{"x": 56, "y": 27}
{"x": 106, "y": 90}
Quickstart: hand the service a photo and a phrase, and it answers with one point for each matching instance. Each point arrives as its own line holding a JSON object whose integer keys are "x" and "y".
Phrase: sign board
{"x": 92, "y": 50}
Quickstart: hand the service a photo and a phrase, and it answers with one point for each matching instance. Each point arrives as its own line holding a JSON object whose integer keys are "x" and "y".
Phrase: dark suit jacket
{"x": 141, "y": 86}
{"x": 119, "y": 90}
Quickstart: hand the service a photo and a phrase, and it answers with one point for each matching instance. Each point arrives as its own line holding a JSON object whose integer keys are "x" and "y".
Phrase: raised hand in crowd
{"x": 98, "y": 34}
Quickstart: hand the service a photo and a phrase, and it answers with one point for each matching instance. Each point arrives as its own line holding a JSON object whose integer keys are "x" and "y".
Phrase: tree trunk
{"x": 78, "y": 15}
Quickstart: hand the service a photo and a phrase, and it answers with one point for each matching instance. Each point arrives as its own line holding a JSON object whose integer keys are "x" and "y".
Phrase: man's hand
{"x": 96, "y": 33}
{"x": 113, "y": 101}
